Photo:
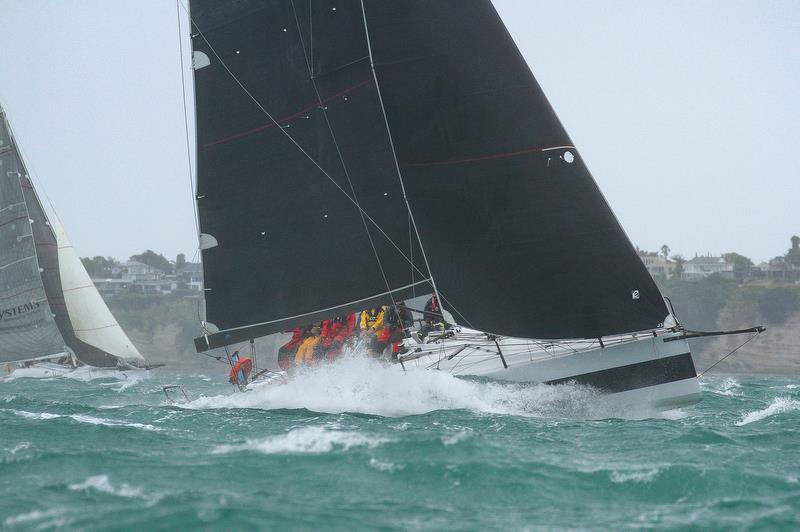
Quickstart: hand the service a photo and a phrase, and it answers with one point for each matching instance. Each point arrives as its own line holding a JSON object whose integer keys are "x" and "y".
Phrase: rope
{"x": 394, "y": 153}
{"x": 186, "y": 127}
{"x": 344, "y": 168}
{"x": 364, "y": 213}
{"x": 292, "y": 140}
{"x": 700, "y": 375}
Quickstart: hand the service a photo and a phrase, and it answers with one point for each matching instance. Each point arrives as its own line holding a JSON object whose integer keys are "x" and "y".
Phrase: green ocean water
{"x": 356, "y": 446}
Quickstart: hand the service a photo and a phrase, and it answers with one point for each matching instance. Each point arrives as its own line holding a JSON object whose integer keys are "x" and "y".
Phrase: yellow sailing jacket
{"x": 372, "y": 321}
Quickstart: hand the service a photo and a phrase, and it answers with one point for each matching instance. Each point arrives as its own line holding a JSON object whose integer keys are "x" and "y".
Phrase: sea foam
{"x": 369, "y": 387}
{"x": 778, "y": 405}
{"x": 305, "y": 440}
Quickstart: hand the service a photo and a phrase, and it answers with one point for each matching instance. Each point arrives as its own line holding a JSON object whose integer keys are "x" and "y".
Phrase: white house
{"x": 657, "y": 264}
{"x": 702, "y": 266}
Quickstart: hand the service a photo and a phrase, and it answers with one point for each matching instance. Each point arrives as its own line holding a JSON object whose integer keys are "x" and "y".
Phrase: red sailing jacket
{"x": 347, "y": 329}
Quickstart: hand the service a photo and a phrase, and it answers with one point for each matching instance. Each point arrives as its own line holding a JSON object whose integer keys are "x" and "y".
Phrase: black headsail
{"x": 519, "y": 239}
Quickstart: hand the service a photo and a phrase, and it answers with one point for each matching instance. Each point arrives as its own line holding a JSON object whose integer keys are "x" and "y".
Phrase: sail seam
{"x": 4, "y": 266}
{"x": 9, "y": 207}
{"x": 97, "y": 328}
{"x": 301, "y": 112}
{"x": 77, "y": 287}
{"x": 394, "y": 153}
{"x": 18, "y": 218}
{"x": 324, "y": 309}
{"x": 12, "y": 296}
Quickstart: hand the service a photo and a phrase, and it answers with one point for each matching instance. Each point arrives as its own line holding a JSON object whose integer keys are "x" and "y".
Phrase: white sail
{"x": 91, "y": 319}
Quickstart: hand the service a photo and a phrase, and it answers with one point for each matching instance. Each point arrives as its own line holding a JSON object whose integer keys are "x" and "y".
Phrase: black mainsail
{"x": 355, "y": 152}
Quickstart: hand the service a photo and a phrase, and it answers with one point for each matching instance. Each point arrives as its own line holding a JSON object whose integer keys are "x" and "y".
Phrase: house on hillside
{"x": 702, "y": 266}
{"x": 658, "y": 265}
{"x": 111, "y": 287}
{"x": 154, "y": 287}
{"x": 134, "y": 271}
{"x": 190, "y": 275}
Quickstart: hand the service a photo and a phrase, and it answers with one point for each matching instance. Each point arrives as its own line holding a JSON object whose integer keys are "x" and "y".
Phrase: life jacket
{"x": 348, "y": 328}
{"x": 372, "y": 318}
{"x": 240, "y": 371}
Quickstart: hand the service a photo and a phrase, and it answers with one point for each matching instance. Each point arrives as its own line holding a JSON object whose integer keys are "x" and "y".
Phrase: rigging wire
{"x": 394, "y": 152}
{"x": 344, "y": 168}
{"x": 702, "y": 373}
{"x": 186, "y": 127}
{"x": 319, "y": 167}
{"x": 294, "y": 142}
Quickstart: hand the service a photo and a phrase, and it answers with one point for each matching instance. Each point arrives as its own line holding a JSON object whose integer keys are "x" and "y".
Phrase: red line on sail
{"x": 19, "y": 293}
{"x": 489, "y": 157}
{"x": 13, "y": 220}
{"x": 301, "y": 112}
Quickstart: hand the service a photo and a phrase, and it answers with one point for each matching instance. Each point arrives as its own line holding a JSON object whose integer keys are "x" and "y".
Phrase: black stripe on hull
{"x": 639, "y": 375}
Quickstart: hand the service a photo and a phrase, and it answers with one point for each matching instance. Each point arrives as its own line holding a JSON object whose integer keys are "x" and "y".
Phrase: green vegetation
{"x": 156, "y": 260}
{"x": 99, "y": 267}
{"x": 698, "y": 304}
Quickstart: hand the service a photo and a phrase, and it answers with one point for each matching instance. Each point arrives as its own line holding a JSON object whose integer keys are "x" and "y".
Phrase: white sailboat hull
{"x": 637, "y": 372}
{"x": 48, "y": 370}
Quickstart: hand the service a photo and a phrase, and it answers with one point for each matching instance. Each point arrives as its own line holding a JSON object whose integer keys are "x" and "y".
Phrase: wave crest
{"x": 778, "y": 405}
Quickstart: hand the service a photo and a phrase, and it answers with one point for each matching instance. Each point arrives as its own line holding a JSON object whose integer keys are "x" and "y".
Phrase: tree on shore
{"x": 679, "y": 260}
{"x": 741, "y": 264}
{"x": 665, "y": 251}
{"x": 99, "y": 267}
{"x": 156, "y": 260}
{"x": 793, "y": 255}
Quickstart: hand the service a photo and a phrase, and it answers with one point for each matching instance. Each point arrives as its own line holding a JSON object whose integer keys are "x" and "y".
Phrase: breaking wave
{"x": 306, "y": 440}
{"x": 365, "y": 386}
{"x": 778, "y": 405}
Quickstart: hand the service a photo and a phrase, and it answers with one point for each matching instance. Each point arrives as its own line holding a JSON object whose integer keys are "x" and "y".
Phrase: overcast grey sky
{"x": 686, "y": 112}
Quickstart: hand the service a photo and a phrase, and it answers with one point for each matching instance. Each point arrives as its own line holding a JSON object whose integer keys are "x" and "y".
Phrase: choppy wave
{"x": 29, "y": 518}
{"x": 728, "y": 386}
{"x": 68, "y": 461}
{"x": 102, "y": 484}
{"x": 305, "y": 440}
{"x": 369, "y": 387}
{"x": 82, "y": 418}
{"x": 640, "y": 475}
{"x": 778, "y": 405}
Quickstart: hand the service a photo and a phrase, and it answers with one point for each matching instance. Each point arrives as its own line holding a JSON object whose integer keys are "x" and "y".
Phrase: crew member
{"x": 287, "y": 352}
{"x": 371, "y": 326}
{"x": 397, "y": 319}
{"x": 305, "y": 353}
